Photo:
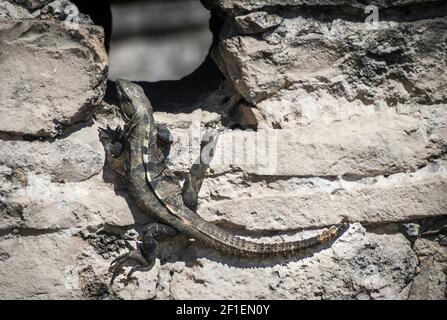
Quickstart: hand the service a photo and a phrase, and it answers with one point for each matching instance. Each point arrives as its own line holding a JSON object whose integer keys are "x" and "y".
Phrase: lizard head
{"x": 131, "y": 97}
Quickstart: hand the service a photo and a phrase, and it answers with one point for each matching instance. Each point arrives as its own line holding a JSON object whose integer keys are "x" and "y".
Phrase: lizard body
{"x": 156, "y": 190}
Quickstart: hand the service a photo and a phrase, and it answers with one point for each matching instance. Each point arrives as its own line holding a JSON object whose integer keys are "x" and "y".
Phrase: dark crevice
{"x": 429, "y": 226}
{"x": 101, "y": 15}
{"x": 186, "y": 94}
{"x": 173, "y": 96}
{"x": 14, "y": 136}
{"x": 330, "y": 178}
{"x": 268, "y": 178}
{"x": 28, "y": 232}
{"x": 64, "y": 132}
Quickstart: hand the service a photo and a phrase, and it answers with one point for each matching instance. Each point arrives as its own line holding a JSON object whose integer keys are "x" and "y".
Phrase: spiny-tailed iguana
{"x": 156, "y": 190}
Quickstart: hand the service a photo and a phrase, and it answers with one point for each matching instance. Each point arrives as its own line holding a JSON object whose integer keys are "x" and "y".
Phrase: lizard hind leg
{"x": 194, "y": 179}
{"x": 164, "y": 139}
{"x": 144, "y": 255}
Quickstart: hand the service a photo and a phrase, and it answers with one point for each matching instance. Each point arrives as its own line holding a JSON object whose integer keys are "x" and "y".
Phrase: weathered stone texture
{"x": 347, "y": 59}
{"x": 52, "y": 74}
{"x": 76, "y": 158}
{"x": 356, "y": 120}
{"x": 31, "y": 4}
{"x": 360, "y": 146}
{"x": 294, "y": 203}
{"x": 43, "y": 205}
{"x": 238, "y": 5}
{"x": 257, "y": 22}
{"x": 36, "y": 267}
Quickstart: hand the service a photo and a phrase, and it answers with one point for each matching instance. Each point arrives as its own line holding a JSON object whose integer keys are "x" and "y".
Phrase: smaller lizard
{"x": 156, "y": 190}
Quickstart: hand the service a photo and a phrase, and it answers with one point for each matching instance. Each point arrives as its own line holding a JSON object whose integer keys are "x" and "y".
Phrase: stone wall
{"x": 358, "y": 116}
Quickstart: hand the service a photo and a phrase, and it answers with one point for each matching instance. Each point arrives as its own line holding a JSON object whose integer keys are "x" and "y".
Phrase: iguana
{"x": 157, "y": 191}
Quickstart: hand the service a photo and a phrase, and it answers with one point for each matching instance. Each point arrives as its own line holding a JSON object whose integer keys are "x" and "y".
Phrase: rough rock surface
{"x": 53, "y": 73}
{"x": 31, "y": 4}
{"x": 253, "y": 5}
{"x": 342, "y": 58}
{"x": 257, "y": 22}
{"x": 75, "y": 158}
{"x": 351, "y": 120}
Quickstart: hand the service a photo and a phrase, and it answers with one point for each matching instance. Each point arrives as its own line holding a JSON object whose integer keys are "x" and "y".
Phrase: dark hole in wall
{"x": 167, "y": 95}
{"x": 158, "y": 40}
{"x": 101, "y": 14}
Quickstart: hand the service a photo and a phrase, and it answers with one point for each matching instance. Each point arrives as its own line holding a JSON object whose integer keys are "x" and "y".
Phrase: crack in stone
{"x": 254, "y": 178}
{"x": 29, "y": 232}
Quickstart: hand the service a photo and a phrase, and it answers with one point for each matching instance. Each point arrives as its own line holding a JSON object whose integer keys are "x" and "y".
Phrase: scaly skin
{"x": 156, "y": 190}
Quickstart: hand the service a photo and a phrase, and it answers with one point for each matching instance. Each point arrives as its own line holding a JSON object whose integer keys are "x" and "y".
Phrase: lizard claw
{"x": 135, "y": 255}
{"x": 144, "y": 255}
{"x": 117, "y": 137}
{"x": 107, "y": 130}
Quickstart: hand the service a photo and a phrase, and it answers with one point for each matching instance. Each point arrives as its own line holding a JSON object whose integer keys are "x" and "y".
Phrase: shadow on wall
{"x": 162, "y": 45}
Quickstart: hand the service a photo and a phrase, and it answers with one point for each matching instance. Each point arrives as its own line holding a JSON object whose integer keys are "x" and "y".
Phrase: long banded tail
{"x": 225, "y": 241}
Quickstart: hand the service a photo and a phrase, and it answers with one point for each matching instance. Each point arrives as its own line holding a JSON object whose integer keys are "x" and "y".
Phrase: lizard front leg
{"x": 144, "y": 255}
{"x": 117, "y": 138}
